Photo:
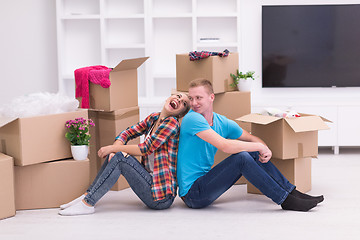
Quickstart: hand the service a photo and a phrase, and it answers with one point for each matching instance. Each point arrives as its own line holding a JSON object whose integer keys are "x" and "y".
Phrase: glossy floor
{"x": 235, "y": 215}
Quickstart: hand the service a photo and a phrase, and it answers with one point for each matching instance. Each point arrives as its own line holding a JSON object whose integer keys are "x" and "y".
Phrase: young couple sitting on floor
{"x": 183, "y": 156}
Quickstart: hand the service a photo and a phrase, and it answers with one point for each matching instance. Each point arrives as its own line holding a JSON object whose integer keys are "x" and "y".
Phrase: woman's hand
{"x": 104, "y": 151}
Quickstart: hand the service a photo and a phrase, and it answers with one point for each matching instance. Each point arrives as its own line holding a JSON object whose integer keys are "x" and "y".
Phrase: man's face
{"x": 200, "y": 99}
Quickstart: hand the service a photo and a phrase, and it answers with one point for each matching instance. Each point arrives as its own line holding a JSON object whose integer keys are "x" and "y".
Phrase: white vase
{"x": 80, "y": 152}
{"x": 244, "y": 84}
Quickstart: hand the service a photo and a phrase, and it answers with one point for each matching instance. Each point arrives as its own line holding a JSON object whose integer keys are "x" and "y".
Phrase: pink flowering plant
{"x": 78, "y": 131}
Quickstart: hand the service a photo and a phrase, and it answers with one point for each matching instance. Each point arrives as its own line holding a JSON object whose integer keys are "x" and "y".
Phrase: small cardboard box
{"x": 48, "y": 185}
{"x": 288, "y": 137}
{"x": 32, "y": 140}
{"x": 123, "y": 91}
{"x": 107, "y": 126}
{"x": 214, "y": 68}
{"x": 297, "y": 171}
{"x": 7, "y": 195}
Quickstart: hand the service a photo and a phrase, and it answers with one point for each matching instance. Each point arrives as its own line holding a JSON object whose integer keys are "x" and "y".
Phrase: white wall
{"x": 28, "y": 57}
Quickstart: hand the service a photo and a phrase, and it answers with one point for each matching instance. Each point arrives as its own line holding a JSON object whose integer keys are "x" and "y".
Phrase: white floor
{"x": 235, "y": 215}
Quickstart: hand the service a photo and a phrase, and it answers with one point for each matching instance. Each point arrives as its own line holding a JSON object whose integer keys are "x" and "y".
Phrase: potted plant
{"x": 79, "y": 137}
{"x": 242, "y": 80}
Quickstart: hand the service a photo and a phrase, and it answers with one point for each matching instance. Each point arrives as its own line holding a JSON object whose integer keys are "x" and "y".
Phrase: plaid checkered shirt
{"x": 164, "y": 143}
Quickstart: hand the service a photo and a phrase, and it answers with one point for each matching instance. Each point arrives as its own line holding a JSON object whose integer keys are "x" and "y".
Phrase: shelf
{"x": 176, "y": 7}
{"x": 124, "y": 16}
{"x": 80, "y": 17}
{"x": 124, "y": 31}
{"x": 123, "y": 7}
{"x": 80, "y": 7}
{"x": 126, "y": 46}
{"x": 216, "y": 6}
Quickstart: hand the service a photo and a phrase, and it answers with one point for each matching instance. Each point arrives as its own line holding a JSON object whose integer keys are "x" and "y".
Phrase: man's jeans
{"x": 265, "y": 176}
{"x": 138, "y": 178}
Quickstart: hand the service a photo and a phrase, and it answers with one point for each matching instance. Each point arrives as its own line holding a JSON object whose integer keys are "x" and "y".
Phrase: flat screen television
{"x": 311, "y": 46}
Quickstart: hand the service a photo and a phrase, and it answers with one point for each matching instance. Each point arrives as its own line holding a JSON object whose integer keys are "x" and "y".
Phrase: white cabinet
{"x": 103, "y": 32}
{"x": 349, "y": 126}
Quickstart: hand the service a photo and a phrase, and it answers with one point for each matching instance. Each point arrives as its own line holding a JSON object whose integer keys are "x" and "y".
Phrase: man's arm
{"x": 246, "y": 142}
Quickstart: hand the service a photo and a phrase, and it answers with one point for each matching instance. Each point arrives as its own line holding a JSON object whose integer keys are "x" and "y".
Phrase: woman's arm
{"x": 118, "y": 146}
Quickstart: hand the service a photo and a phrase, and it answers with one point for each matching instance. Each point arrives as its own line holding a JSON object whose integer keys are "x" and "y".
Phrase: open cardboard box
{"x": 7, "y": 195}
{"x": 107, "y": 126}
{"x": 288, "y": 137}
{"x": 32, "y": 140}
{"x": 50, "y": 184}
{"x": 214, "y": 68}
{"x": 296, "y": 170}
{"x": 123, "y": 91}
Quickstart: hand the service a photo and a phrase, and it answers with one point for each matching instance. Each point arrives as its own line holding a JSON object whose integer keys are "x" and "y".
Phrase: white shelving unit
{"x": 103, "y": 32}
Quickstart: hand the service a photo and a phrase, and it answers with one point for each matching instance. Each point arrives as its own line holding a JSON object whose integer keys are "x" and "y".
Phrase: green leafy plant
{"x": 239, "y": 75}
{"x": 78, "y": 131}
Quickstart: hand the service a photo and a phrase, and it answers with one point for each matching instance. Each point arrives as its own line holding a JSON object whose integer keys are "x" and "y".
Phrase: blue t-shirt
{"x": 195, "y": 156}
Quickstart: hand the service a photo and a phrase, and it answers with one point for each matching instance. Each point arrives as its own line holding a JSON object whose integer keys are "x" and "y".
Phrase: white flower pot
{"x": 80, "y": 152}
{"x": 244, "y": 85}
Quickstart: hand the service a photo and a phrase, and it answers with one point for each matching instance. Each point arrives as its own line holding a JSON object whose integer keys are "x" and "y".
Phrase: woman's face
{"x": 177, "y": 104}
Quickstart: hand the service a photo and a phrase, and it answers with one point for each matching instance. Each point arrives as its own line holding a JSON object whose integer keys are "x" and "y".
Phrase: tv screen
{"x": 311, "y": 46}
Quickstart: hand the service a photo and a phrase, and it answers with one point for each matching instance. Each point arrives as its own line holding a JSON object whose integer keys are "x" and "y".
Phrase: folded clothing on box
{"x": 95, "y": 74}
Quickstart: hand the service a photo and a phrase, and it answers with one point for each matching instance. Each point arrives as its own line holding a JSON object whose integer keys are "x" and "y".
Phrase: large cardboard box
{"x": 123, "y": 92}
{"x": 296, "y": 170}
{"x": 234, "y": 105}
{"x": 216, "y": 69}
{"x": 107, "y": 126}
{"x": 32, "y": 140}
{"x": 288, "y": 137}
{"x": 48, "y": 185}
{"x": 7, "y": 196}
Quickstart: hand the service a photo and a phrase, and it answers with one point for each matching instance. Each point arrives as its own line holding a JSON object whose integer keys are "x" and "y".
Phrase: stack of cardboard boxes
{"x": 113, "y": 109}
{"x": 45, "y": 175}
{"x": 293, "y": 142}
{"x": 228, "y": 101}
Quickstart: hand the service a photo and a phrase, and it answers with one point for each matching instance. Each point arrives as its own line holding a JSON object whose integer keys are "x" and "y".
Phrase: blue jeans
{"x": 135, "y": 174}
{"x": 265, "y": 176}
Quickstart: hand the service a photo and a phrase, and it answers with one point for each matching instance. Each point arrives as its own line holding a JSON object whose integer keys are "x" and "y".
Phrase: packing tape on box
{"x": 3, "y": 146}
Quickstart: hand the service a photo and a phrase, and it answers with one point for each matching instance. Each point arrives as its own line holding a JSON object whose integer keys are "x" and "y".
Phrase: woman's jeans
{"x": 265, "y": 176}
{"x": 138, "y": 178}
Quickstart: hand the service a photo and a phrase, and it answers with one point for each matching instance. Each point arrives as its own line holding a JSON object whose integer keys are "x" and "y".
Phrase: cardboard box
{"x": 123, "y": 92}
{"x": 48, "y": 185}
{"x": 7, "y": 196}
{"x": 37, "y": 139}
{"x": 214, "y": 68}
{"x": 288, "y": 137}
{"x": 107, "y": 126}
{"x": 297, "y": 171}
{"x": 234, "y": 105}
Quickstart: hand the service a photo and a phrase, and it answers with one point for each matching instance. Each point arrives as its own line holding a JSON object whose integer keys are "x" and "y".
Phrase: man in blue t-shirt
{"x": 202, "y": 133}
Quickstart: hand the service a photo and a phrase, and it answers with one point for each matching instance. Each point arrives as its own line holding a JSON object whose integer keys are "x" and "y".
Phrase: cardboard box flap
{"x": 128, "y": 64}
{"x": 306, "y": 123}
{"x": 324, "y": 119}
{"x": 6, "y": 120}
{"x": 257, "y": 118}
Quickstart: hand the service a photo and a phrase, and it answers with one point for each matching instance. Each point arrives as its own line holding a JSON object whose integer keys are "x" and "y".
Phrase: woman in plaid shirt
{"x": 154, "y": 179}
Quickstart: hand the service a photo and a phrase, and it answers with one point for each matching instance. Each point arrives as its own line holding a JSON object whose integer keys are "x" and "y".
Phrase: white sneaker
{"x": 79, "y": 208}
{"x": 66, "y": 205}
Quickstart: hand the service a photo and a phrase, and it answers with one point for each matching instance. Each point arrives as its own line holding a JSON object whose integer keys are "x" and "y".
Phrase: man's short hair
{"x": 202, "y": 82}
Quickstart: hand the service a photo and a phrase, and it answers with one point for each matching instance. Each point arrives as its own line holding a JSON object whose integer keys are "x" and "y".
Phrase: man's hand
{"x": 265, "y": 154}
